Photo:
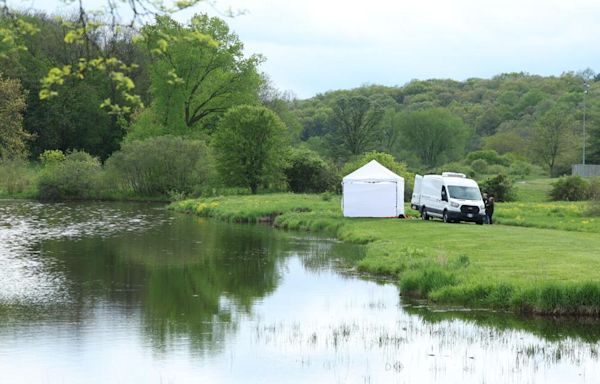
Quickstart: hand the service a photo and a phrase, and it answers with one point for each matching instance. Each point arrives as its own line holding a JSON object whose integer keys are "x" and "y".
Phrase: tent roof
{"x": 372, "y": 171}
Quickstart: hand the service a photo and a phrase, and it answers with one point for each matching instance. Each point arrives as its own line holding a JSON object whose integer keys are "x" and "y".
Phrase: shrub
{"x": 522, "y": 168}
{"x": 305, "y": 171}
{"x": 76, "y": 177}
{"x": 480, "y": 166}
{"x": 570, "y": 188}
{"x": 500, "y": 186}
{"x": 15, "y": 176}
{"x": 52, "y": 157}
{"x": 161, "y": 166}
{"x": 594, "y": 194}
{"x": 490, "y": 156}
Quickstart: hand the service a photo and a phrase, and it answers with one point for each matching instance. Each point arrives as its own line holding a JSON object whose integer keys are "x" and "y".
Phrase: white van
{"x": 450, "y": 196}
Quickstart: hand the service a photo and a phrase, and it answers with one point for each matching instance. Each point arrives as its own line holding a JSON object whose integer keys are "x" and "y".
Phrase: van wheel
{"x": 445, "y": 217}
{"x": 424, "y": 214}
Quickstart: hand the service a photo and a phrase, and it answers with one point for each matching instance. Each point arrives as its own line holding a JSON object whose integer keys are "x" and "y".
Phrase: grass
{"x": 547, "y": 261}
{"x": 535, "y": 190}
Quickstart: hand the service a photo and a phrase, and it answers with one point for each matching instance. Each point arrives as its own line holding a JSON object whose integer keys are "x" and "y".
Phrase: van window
{"x": 464, "y": 193}
{"x": 444, "y": 194}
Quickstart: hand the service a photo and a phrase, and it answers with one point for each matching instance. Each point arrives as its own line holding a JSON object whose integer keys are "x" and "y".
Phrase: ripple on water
{"x": 29, "y": 278}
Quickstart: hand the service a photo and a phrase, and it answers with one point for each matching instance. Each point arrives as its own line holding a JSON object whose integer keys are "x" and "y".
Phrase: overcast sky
{"x": 313, "y": 46}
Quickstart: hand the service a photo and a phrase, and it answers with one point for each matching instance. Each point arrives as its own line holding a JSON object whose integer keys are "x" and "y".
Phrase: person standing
{"x": 489, "y": 209}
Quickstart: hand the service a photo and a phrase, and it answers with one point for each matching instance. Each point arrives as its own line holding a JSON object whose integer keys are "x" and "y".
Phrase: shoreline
{"x": 444, "y": 276}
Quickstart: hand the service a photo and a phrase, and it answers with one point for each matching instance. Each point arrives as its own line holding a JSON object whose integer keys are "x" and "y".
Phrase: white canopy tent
{"x": 373, "y": 191}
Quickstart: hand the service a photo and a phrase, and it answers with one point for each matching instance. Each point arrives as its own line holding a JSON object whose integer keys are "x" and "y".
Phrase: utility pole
{"x": 586, "y": 86}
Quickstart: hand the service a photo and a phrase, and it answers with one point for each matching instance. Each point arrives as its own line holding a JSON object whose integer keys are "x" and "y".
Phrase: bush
{"x": 76, "y": 177}
{"x": 500, "y": 186}
{"x": 305, "y": 171}
{"x": 522, "y": 168}
{"x": 161, "y": 166}
{"x": 52, "y": 157}
{"x": 480, "y": 166}
{"x": 594, "y": 194}
{"x": 570, "y": 188}
{"x": 490, "y": 156}
{"x": 16, "y": 177}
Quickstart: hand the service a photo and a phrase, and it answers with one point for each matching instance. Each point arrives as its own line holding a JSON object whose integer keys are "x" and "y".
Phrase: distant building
{"x": 586, "y": 170}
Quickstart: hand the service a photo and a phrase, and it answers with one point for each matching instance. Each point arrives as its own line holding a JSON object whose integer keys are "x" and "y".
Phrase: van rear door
{"x": 415, "y": 201}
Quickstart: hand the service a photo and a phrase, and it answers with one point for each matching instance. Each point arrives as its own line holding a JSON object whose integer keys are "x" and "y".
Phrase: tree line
{"x": 192, "y": 82}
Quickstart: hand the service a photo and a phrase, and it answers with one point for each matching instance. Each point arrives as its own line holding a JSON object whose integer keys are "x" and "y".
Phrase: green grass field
{"x": 544, "y": 257}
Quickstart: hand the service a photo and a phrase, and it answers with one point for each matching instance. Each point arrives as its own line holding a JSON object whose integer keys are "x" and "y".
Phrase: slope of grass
{"x": 522, "y": 268}
{"x": 535, "y": 190}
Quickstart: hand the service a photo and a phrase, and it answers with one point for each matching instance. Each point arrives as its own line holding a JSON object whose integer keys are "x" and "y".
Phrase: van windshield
{"x": 464, "y": 193}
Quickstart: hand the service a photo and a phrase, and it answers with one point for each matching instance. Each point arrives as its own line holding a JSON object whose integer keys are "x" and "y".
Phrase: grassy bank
{"x": 525, "y": 268}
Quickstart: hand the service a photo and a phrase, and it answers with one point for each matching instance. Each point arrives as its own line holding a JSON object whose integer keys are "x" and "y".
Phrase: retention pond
{"x": 131, "y": 293}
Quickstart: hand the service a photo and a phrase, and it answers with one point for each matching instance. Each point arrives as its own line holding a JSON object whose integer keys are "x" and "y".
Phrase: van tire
{"x": 424, "y": 214}
{"x": 445, "y": 217}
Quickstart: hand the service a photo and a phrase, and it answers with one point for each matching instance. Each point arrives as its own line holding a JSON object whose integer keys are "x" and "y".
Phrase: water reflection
{"x": 131, "y": 293}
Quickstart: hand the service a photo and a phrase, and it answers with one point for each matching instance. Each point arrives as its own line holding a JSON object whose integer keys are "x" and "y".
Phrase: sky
{"x": 313, "y": 46}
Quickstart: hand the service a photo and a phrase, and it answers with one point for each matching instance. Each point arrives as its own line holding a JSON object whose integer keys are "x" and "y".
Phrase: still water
{"x": 129, "y": 293}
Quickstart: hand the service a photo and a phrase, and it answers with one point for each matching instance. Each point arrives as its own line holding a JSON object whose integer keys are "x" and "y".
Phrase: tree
{"x": 389, "y": 130}
{"x": 72, "y": 119}
{"x": 435, "y": 135}
{"x": 552, "y": 137}
{"x": 249, "y": 147}
{"x": 81, "y": 31}
{"x": 198, "y": 71}
{"x": 12, "y": 106}
{"x": 355, "y": 121}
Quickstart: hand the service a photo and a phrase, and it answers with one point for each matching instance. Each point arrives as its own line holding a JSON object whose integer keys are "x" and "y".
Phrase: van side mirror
{"x": 444, "y": 196}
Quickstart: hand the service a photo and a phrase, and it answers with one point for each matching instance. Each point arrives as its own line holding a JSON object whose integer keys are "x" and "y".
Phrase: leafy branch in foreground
{"x": 96, "y": 56}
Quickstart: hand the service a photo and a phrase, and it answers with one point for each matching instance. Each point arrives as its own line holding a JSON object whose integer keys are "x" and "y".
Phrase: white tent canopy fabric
{"x": 373, "y": 191}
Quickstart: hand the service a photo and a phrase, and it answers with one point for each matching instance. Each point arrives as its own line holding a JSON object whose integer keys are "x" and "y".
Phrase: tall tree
{"x": 553, "y": 136}
{"x": 198, "y": 72}
{"x": 12, "y": 105}
{"x": 249, "y": 146}
{"x": 355, "y": 120}
{"x": 435, "y": 135}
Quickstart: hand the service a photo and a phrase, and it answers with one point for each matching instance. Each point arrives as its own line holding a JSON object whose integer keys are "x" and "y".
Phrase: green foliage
{"x": 387, "y": 161}
{"x": 51, "y": 157}
{"x": 594, "y": 204}
{"x": 354, "y": 122}
{"x": 570, "y": 188}
{"x": 552, "y": 138}
{"x": 491, "y": 157}
{"x": 198, "y": 71}
{"x": 161, "y": 166}
{"x": 17, "y": 178}
{"x": 72, "y": 119}
{"x": 435, "y": 135}
{"x": 480, "y": 166}
{"x": 12, "y": 106}
{"x": 500, "y": 186}
{"x": 305, "y": 171}
{"x": 249, "y": 147}
{"x": 75, "y": 178}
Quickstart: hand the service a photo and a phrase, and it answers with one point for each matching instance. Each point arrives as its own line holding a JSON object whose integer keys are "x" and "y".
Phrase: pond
{"x": 132, "y": 293}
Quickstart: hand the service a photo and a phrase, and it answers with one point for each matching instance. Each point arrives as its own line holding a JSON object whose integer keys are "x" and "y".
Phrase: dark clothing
{"x": 489, "y": 209}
